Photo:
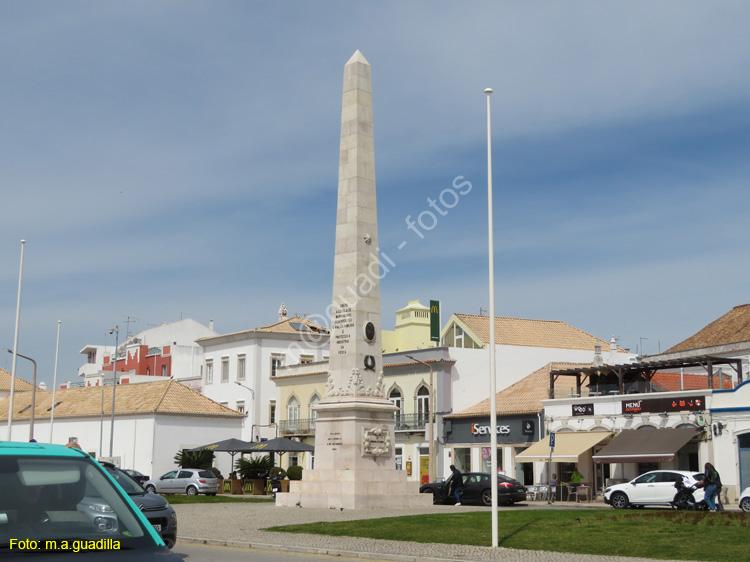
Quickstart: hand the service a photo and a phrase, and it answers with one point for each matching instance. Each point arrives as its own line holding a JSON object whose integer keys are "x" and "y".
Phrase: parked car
{"x": 135, "y": 475}
{"x": 190, "y": 481}
{"x": 42, "y": 490}
{"x": 156, "y": 509}
{"x": 652, "y": 488}
{"x": 477, "y": 489}
{"x": 745, "y": 500}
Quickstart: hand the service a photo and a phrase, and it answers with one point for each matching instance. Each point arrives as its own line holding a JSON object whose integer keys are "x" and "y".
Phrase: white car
{"x": 745, "y": 500}
{"x": 652, "y": 488}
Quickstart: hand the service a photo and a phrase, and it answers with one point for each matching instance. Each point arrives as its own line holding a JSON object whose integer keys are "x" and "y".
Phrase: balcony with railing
{"x": 306, "y": 427}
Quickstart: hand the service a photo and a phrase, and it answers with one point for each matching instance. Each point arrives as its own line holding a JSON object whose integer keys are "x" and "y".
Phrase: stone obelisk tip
{"x": 358, "y": 57}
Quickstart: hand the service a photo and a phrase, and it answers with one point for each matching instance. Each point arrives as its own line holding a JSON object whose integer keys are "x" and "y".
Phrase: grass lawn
{"x": 720, "y": 537}
{"x": 176, "y": 499}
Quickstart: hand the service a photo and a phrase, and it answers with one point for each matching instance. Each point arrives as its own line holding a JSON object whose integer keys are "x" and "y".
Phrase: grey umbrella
{"x": 231, "y": 446}
{"x": 281, "y": 445}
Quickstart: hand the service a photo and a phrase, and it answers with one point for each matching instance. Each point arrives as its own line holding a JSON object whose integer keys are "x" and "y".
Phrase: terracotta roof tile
{"x": 669, "y": 382}
{"x": 20, "y": 386}
{"x": 162, "y": 397}
{"x": 532, "y": 333}
{"x": 733, "y": 327}
{"x": 523, "y": 397}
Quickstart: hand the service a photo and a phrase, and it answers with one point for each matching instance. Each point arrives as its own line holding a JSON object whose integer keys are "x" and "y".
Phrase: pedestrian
{"x": 457, "y": 482}
{"x": 712, "y": 485}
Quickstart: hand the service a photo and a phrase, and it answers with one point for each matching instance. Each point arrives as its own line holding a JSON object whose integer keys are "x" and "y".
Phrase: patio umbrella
{"x": 281, "y": 445}
{"x": 231, "y": 446}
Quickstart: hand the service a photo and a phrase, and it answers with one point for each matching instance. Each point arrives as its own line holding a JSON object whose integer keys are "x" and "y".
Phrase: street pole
{"x": 430, "y": 431}
{"x": 15, "y": 347}
{"x": 33, "y": 392}
{"x": 54, "y": 385}
{"x": 493, "y": 383}
{"x": 116, "y": 330}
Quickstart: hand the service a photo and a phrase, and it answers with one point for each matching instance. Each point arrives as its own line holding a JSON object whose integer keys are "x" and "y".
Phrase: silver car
{"x": 190, "y": 481}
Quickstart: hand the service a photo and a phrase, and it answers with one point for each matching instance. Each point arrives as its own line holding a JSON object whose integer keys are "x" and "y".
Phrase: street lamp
{"x": 493, "y": 383}
{"x": 252, "y": 391}
{"x": 15, "y": 346}
{"x": 115, "y": 331}
{"x": 430, "y": 435}
{"x": 33, "y": 393}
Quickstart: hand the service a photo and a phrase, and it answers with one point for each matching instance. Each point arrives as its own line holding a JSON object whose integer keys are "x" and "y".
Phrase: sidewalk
{"x": 239, "y": 524}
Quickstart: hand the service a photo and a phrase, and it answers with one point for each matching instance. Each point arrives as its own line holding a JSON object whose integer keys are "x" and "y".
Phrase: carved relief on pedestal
{"x": 376, "y": 441}
{"x": 355, "y": 386}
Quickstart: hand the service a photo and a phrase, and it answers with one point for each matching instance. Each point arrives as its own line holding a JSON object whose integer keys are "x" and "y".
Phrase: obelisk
{"x": 354, "y": 430}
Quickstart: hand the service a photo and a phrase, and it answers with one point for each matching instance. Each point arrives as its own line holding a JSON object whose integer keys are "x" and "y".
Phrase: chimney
{"x": 210, "y": 324}
{"x": 598, "y": 361}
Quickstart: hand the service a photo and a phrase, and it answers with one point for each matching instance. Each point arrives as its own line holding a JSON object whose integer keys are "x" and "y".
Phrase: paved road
{"x": 238, "y": 525}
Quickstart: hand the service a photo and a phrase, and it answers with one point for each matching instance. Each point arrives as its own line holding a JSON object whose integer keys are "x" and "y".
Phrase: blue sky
{"x": 167, "y": 160}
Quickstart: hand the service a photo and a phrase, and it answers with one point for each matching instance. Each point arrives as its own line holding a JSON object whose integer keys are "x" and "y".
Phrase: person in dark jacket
{"x": 712, "y": 484}
{"x": 457, "y": 482}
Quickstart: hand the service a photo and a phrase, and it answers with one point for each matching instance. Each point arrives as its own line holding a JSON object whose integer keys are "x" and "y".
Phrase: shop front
{"x": 469, "y": 447}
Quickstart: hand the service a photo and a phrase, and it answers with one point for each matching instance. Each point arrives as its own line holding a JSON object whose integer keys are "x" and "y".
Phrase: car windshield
{"x": 130, "y": 486}
{"x": 49, "y": 499}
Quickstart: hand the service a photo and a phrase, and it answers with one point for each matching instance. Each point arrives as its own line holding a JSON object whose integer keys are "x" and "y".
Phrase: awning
{"x": 568, "y": 446}
{"x": 656, "y": 445}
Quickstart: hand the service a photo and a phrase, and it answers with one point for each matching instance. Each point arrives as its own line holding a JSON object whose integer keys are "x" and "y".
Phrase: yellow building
{"x": 412, "y": 330}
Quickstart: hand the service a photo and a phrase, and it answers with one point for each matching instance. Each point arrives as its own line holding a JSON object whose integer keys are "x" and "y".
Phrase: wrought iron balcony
{"x": 404, "y": 422}
{"x": 410, "y": 422}
{"x": 297, "y": 427}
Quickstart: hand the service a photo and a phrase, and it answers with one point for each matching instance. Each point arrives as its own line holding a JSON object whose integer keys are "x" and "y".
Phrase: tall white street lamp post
{"x": 116, "y": 331}
{"x": 54, "y": 386}
{"x": 15, "y": 347}
{"x": 493, "y": 383}
{"x": 252, "y": 391}
{"x": 33, "y": 393}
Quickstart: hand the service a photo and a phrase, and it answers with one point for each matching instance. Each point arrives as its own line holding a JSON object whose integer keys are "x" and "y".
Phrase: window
{"x": 272, "y": 412}
{"x": 395, "y": 397}
{"x": 277, "y": 360}
{"x": 305, "y": 359}
{"x": 225, "y": 369}
{"x": 487, "y": 460}
{"x": 209, "y": 372}
{"x": 462, "y": 458}
{"x": 423, "y": 404}
{"x": 240, "y": 406}
{"x": 292, "y": 411}
{"x": 240, "y": 367}
{"x": 293, "y": 459}
{"x": 164, "y": 371}
{"x": 311, "y": 408}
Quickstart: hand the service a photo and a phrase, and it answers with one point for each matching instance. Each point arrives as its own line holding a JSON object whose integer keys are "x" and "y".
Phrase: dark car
{"x": 43, "y": 509}
{"x": 477, "y": 489}
{"x": 135, "y": 475}
{"x": 156, "y": 508}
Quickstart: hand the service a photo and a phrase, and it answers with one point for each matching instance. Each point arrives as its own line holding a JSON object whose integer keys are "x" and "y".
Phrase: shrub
{"x": 256, "y": 467}
{"x": 277, "y": 472}
{"x": 194, "y": 459}
{"x": 294, "y": 472}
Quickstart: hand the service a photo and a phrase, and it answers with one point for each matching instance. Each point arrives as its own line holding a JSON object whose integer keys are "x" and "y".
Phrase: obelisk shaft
{"x": 356, "y": 349}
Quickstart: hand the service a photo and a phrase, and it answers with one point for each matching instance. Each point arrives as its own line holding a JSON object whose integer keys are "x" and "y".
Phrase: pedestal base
{"x": 354, "y": 489}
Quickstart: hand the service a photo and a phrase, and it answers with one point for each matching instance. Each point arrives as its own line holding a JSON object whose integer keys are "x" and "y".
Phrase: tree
{"x": 256, "y": 467}
{"x": 194, "y": 459}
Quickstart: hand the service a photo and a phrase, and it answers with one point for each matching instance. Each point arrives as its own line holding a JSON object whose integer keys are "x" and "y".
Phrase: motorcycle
{"x": 684, "y": 498}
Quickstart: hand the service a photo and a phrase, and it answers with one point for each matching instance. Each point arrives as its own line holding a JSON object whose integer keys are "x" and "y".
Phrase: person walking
{"x": 712, "y": 484}
{"x": 457, "y": 482}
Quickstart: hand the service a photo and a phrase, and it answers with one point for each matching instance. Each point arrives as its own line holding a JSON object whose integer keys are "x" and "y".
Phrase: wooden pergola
{"x": 643, "y": 371}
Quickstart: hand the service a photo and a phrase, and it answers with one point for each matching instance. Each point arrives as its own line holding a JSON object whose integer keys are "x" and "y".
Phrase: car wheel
{"x": 169, "y": 541}
{"x": 150, "y": 489}
{"x": 745, "y": 504}
{"x": 619, "y": 500}
{"x": 192, "y": 491}
{"x": 487, "y": 497}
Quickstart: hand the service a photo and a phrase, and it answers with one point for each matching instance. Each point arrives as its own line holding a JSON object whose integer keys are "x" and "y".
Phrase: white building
{"x": 167, "y": 351}
{"x": 521, "y": 347}
{"x": 239, "y": 368}
{"x": 153, "y": 422}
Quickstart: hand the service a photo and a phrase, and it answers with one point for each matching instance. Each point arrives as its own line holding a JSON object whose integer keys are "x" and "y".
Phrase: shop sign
{"x": 658, "y": 405}
{"x": 477, "y": 429}
{"x": 583, "y": 409}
